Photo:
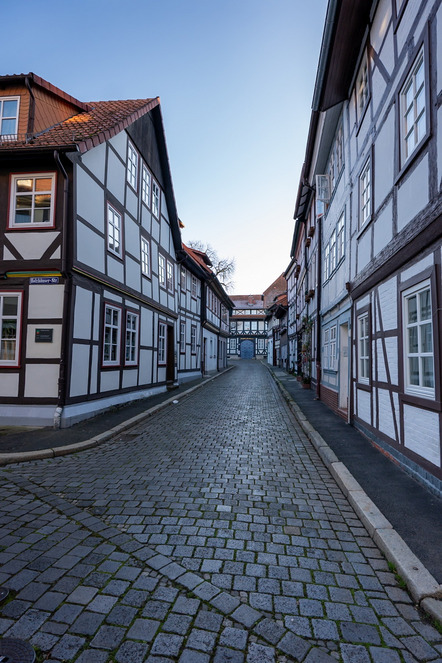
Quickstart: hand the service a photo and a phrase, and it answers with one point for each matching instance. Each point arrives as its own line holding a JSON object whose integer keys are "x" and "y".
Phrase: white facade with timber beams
{"x": 375, "y": 148}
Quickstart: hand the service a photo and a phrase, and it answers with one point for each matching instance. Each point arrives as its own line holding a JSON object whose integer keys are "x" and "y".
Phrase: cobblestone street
{"x": 211, "y": 532}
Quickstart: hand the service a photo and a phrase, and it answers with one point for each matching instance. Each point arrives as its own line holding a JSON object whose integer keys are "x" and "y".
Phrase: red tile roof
{"x": 197, "y": 256}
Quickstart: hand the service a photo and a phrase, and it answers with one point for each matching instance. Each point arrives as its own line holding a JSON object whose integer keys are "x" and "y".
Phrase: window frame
{"x": 170, "y": 276}
{"x": 136, "y": 336}
{"x": 364, "y": 221}
{"x": 111, "y": 208}
{"x": 146, "y": 186}
{"x": 194, "y": 287}
{"x": 362, "y": 380}
{"x": 19, "y": 294}
{"x": 13, "y": 136}
{"x": 414, "y": 290}
{"x": 340, "y": 239}
{"x": 146, "y": 265}
{"x": 132, "y": 166}
{"x": 182, "y": 337}
{"x": 193, "y": 339}
{"x": 162, "y": 343}
{"x": 161, "y": 270}
{"x": 364, "y": 66}
{"x": 183, "y": 278}
{"x": 14, "y": 177}
{"x": 109, "y": 363}
{"x": 156, "y": 199}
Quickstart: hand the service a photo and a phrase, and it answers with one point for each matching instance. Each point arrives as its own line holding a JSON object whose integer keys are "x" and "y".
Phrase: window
{"x": 145, "y": 186}
{"x": 333, "y": 251}
{"x": 9, "y": 118}
{"x": 327, "y": 262}
{"x": 161, "y": 343}
{"x": 362, "y": 89}
{"x": 10, "y": 321}
{"x": 32, "y": 201}
{"x": 162, "y": 270}
{"x": 340, "y": 240}
{"x": 169, "y": 276}
{"x": 413, "y": 109}
{"x": 332, "y": 356}
{"x": 182, "y": 337}
{"x": 155, "y": 199}
{"x": 132, "y": 166}
{"x": 326, "y": 349}
{"x": 194, "y": 287}
{"x": 145, "y": 256}
{"x": 365, "y": 194}
{"x": 233, "y": 345}
{"x": 114, "y": 231}
{"x": 183, "y": 278}
{"x": 131, "y": 355}
{"x": 261, "y": 344}
{"x": 193, "y": 339}
{"x": 363, "y": 349}
{"x": 418, "y": 341}
{"x": 112, "y": 330}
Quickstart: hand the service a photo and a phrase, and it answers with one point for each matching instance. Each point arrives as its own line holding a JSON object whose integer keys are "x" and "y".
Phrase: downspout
{"x": 66, "y": 300}
{"x": 318, "y": 312}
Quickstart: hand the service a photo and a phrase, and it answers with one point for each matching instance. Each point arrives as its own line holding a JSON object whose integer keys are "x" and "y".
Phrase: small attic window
{"x": 9, "y": 117}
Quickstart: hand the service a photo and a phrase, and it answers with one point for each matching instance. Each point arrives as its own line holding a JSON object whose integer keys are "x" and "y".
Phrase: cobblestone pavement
{"x": 212, "y": 532}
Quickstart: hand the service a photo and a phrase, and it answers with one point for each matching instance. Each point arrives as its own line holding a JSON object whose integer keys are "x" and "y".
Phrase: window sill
{"x": 424, "y": 402}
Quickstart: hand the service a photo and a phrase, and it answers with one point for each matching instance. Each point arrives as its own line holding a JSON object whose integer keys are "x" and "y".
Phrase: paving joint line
{"x": 423, "y": 587}
{"x": 40, "y": 454}
{"x": 284, "y": 640}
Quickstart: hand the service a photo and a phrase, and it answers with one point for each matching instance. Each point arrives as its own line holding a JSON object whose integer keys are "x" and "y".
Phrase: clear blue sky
{"x": 235, "y": 78}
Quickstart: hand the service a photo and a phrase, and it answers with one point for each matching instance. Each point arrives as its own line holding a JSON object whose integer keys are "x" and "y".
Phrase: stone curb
{"x": 423, "y": 587}
{"x": 24, "y": 456}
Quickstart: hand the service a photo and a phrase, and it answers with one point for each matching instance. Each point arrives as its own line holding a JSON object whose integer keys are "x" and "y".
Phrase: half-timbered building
{"x": 248, "y": 327}
{"x": 372, "y": 183}
{"x": 88, "y": 240}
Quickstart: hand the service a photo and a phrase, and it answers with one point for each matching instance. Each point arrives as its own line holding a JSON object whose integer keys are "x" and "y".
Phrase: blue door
{"x": 247, "y": 349}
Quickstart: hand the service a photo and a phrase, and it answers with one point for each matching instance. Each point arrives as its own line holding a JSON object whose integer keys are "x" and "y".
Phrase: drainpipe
{"x": 67, "y": 292}
{"x": 318, "y": 312}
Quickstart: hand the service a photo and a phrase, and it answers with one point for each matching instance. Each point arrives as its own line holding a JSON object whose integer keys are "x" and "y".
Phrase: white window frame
{"x": 327, "y": 263}
{"x": 114, "y": 231}
{"x": 162, "y": 343}
{"x": 33, "y": 194}
{"x": 155, "y": 199}
{"x": 326, "y": 349}
{"x": 363, "y": 348}
{"x": 419, "y": 389}
{"x": 131, "y": 339}
{"x": 162, "y": 270}
{"x": 416, "y": 130}
{"x": 182, "y": 337}
{"x": 169, "y": 276}
{"x": 183, "y": 278}
{"x": 365, "y": 194}
{"x": 5, "y": 339}
{"x": 132, "y": 165}
{"x": 193, "y": 339}
{"x": 114, "y": 327}
{"x": 146, "y": 186}
{"x": 362, "y": 88}
{"x": 14, "y": 134}
{"x": 145, "y": 257}
{"x": 194, "y": 287}
{"x": 332, "y": 357}
{"x": 333, "y": 251}
{"x": 340, "y": 238}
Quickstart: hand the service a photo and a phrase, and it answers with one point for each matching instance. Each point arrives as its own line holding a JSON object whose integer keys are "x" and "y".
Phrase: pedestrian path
{"x": 210, "y": 532}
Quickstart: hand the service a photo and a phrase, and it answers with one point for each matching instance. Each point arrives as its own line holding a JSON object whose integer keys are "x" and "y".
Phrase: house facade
{"x": 248, "y": 327}
{"x": 277, "y": 332}
{"x": 92, "y": 298}
{"x": 371, "y": 184}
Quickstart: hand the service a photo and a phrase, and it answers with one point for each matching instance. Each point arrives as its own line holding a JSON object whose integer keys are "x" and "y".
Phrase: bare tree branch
{"x": 223, "y": 268}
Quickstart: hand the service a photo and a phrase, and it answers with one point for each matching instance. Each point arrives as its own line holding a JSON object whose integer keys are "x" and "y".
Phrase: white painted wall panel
{"x": 421, "y": 433}
{"x": 417, "y": 268}
{"x": 116, "y": 176}
{"x": 82, "y": 313}
{"x": 131, "y": 202}
{"x": 97, "y": 305}
{"x": 119, "y": 143}
{"x": 391, "y": 345}
{"x": 115, "y": 269}
{"x": 130, "y": 378}
{"x": 90, "y": 200}
{"x": 131, "y": 236}
{"x": 95, "y": 161}
{"x": 364, "y": 399}
{"x": 31, "y": 246}
{"x": 382, "y": 374}
{"x": 383, "y": 229}
{"x": 364, "y": 250}
{"x": 41, "y": 380}
{"x": 386, "y": 417}
{"x": 90, "y": 247}
{"x": 439, "y": 52}
{"x": 9, "y": 385}
{"x": 43, "y": 350}
{"x": 45, "y": 301}
{"x": 109, "y": 380}
{"x": 146, "y": 285}
{"x": 384, "y": 160}
{"x": 94, "y": 369}
{"x": 133, "y": 274}
{"x": 145, "y": 366}
{"x": 413, "y": 195}
{"x": 80, "y": 370}
{"x": 155, "y": 229}
{"x": 165, "y": 236}
{"x": 109, "y": 294}
{"x": 164, "y": 210}
{"x": 146, "y": 327}
{"x": 146, "y": 218}
{"x": 388, "y": 294}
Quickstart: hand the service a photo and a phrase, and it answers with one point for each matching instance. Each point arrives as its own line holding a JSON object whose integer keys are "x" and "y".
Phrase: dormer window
{"x": 9, "y": 117}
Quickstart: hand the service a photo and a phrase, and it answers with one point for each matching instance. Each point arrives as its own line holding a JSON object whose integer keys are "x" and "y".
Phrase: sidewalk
{"x": 414, "y": 512}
